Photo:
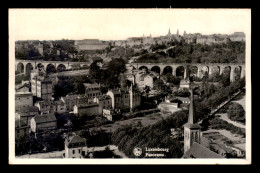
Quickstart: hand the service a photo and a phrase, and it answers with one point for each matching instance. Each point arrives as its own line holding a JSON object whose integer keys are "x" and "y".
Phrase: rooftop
{"x": 45, "y": 118}
{"x": 199, "y": 151}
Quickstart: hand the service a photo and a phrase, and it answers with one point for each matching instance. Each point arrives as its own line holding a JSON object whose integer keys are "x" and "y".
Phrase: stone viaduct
{"x": 25, "y": 66}
{"x": 232, "y": 68}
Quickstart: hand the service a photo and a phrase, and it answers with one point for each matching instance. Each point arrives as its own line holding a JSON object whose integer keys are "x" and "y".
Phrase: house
{"x": 60, "y": 106}
{"x": 75, "y": 146}
{"x": 42, "y": 87}
{"x": 87, "y": 108}
{"x": 239, "y": 149}
{"x": 108, "y": 114}
{"x": 70, "y": 101}
{"x": 149, "y": 80}
{"x": 21, "y": 129}
{"x": 43, "y": 123}
{"x": 92, "y": 90}
{"x": 26, "y": 113}
{"x": 199, "y": 151}
{"x": 104, "y": 102}
{"x": 128, "y": 98}
{"x": 46, "y": 107}
{"x": 23, "y": 99}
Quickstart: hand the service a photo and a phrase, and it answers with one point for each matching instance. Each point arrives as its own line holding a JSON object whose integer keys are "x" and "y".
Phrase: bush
{"x": 236, "y": 112}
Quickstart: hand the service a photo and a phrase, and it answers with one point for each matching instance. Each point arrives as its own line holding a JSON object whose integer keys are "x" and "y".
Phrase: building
{"x": 46, "y": 107}
{"x": 42, "y": 87}
{"x": 184, "y": 84}
{"x": 108, "y": 114}
{"x": 192, "y": 138}
{"x": 86, "y": 108}
{"x": 70, "y": 101}
{"x": 168, "y": 107}
{"x": 149, "y": 80}
{"x": 237, "y": 36}
{"x": 26, "y": 113}
{"x": 92, "y": 90}
{"x": 23, "y": 99}
{"x": 75, "y": 146}
{"x": 91, "y": 44}
{"x": 60, "y": 106}
{"x": 21, "y": 129}
{"x": 43, "y": 123}
{"x": 128, "y": 98}
{"x": 104, "y": 102}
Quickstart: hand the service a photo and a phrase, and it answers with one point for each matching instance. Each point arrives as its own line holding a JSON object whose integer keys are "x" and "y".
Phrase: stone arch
{"x": 40, "y": 65}
{"x": 204, "y": 70}
{"x": 50, "y": 68}
{"x": 62, "y": 67}
{"x": 143, "y": 67}
{"x": 180, "y": 70}
{"x": 167, "y": 69}
{"x": 156, "y": 69}
{"x": 20, "y": 67}
{"x": 237, "y": 72}
{"x": 193, "y": 71}
{"x": 28, "y": 68}
{"x": 226, "y": 70}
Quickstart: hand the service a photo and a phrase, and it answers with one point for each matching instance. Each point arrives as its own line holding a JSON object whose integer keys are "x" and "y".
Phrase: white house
{"x": 75, "y": 146}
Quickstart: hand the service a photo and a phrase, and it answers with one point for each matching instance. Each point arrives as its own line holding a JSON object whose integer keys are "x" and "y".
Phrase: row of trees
{"x": 230, "y": 52}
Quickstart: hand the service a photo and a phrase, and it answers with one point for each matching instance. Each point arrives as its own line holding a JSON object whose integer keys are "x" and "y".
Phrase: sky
{"x": 119, "y": 24}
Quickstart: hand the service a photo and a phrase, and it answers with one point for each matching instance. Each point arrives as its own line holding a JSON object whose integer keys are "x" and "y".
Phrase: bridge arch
{"x": 237, "y": 72}
{"x": 167, "y": 69}
{"x": 50, "y": 68}
{"x": 204, "y": 70}
{"x": 156, "y": 69}
{"x": 143, "y": 67}
{"x": 180, "y": 70}
{"x": 193, "y": 71}
{"x": 28, "y": 68}
{"x": 20, "y": 67}
{"x": 61, "y": 67}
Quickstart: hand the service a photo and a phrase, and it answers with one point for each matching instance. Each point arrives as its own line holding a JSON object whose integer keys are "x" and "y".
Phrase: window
{"x": 73, "y": 151}
{"x": 79, "y": 150}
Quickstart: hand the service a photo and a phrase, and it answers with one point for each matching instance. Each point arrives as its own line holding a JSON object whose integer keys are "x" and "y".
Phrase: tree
{"x": 236, "y": 112}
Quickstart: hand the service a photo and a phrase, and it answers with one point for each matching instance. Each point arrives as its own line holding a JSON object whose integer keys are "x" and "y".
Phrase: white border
{"x": 11, "y": 116}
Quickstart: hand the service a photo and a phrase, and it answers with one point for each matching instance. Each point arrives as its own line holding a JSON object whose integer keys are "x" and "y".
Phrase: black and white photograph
{"x": 129, "y": 86}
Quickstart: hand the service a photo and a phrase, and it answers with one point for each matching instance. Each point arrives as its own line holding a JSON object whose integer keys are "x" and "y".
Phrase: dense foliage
{"x": 236, "y": 112}
{"x": 230, "y": 52}
{"x": 156, "y": 135}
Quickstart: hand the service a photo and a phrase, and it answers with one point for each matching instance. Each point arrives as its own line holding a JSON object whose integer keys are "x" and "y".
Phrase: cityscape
{"x": 178, "y": 95}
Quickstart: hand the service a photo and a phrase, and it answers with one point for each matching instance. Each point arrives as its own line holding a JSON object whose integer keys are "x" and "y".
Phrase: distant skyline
{"x": 120, "y": 24}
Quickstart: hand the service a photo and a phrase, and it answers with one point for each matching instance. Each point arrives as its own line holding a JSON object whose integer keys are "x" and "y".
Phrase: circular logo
{"x": 137, "y": 151}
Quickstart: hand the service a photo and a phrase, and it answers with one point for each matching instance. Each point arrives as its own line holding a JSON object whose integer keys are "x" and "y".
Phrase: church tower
{"x": 191, "y": 130}
{"x": 169, "y": 33}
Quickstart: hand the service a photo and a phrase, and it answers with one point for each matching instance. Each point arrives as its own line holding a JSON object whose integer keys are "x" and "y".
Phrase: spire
{"x": 191, "y": 108}
{"x": 169, "y": 33}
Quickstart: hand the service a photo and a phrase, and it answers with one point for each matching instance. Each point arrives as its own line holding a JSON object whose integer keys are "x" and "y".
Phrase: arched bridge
{"x": 25, "y": 66}
{"x": 188, "y": 69}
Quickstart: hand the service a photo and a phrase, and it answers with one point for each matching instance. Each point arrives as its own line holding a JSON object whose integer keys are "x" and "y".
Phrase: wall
{"x": 23, "y": 100}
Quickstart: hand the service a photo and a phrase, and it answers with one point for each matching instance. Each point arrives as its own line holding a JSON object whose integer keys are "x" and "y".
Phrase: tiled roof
{"x": 45, "y": 118}
{"x": 199, "y": 151}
